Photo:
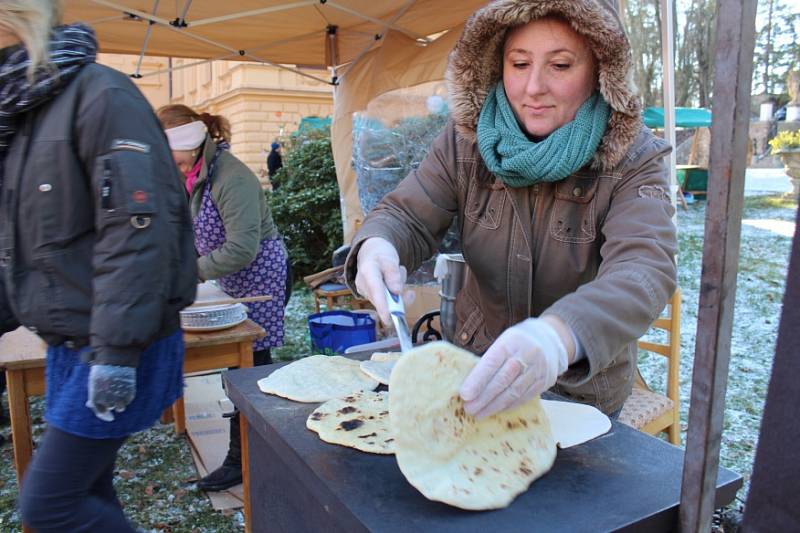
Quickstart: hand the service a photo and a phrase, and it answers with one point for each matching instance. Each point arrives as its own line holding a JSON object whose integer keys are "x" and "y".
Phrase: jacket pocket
{"x": 472, "y": 334}
{"x": 39, "y": 295}
{"x": 124, "y": 183}
{"x": 485, "y": 206}
{"x": 573, "y": 218}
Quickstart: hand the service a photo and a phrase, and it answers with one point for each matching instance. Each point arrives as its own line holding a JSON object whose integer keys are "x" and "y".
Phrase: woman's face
{"x": 548, "y": 72}
{"x": 185, "y": 159}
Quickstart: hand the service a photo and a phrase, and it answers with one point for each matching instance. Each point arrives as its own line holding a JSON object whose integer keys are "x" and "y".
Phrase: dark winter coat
{"x": 96, "y": 241}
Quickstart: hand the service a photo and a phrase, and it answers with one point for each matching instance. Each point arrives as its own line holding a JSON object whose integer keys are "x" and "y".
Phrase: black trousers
{"x": 260, "y": 357}
{"x": 234, "y": 457}
{"x": 69, "y": 486}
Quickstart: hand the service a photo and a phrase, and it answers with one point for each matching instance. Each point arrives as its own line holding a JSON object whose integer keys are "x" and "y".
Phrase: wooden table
{"x": 22, "y": 356}
{"x": 293, "y": 481}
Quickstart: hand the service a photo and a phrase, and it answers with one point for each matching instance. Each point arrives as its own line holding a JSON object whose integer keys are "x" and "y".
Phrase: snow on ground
{"x": 764, "y": 252}
{"x": 156, "y": 475}
{"x": 758, "y": 181}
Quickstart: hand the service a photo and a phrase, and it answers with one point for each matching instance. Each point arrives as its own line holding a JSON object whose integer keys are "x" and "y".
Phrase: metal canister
{"x": 451, "y": 271}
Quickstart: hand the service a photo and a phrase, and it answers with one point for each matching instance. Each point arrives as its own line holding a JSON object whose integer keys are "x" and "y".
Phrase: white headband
{"x": 187, "y": 136}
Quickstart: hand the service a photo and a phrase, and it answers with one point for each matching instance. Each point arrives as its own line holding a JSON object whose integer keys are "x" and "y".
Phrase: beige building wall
{"x": 262, "y": 103}
{"x": 154, "y": 86}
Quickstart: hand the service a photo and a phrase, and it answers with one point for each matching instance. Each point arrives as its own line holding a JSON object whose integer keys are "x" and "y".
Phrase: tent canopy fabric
{"x": 377, "y": 46}
{"x": 296, "y": 32}
{"x": 685, "y": 117}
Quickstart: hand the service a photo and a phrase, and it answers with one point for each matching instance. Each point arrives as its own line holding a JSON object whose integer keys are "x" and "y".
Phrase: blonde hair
{"x": 31, "y": 21}
{"x": 219, "y": 129}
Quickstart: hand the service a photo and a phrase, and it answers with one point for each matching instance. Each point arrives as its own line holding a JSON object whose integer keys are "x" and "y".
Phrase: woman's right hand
{"x": 379, "y": 266}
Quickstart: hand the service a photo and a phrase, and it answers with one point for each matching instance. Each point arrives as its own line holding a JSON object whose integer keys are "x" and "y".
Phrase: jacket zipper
{"x": 105, "y": 187}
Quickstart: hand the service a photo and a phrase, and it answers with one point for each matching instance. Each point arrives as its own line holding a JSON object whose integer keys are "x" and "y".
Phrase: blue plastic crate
{"x": 335, "y": 331}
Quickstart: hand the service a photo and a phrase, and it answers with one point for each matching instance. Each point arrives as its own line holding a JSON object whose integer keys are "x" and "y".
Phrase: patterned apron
{"x": 265, "y": 275}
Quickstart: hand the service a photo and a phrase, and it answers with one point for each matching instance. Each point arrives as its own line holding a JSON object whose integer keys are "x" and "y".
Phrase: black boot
{"x": 230, "y": 473}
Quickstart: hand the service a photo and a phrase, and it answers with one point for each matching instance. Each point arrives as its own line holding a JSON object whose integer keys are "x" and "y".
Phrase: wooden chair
{"x": 650, "y": 411}
{"x": 337, "y": 295}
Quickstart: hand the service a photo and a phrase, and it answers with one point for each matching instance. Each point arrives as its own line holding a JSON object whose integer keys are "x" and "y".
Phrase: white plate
{"x": 214, "y": 328}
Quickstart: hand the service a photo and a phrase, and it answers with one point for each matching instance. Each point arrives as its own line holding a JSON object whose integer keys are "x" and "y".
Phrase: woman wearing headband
{"x": 236, "y": 240}
{"x": 97, "y": 258}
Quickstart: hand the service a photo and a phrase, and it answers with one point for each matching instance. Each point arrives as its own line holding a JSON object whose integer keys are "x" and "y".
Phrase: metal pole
{"x": 138, "y": 73}
{"x": 668, "y": 81}
{"x": 727, "y": 161}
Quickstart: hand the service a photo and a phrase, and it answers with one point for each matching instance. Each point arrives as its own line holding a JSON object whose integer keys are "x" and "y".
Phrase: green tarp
{"x": 685, "y": 117}
{"x": 313, "y": 123}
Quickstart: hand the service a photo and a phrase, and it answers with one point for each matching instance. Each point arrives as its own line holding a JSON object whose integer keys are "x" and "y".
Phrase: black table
{"x": 623, "y": 480}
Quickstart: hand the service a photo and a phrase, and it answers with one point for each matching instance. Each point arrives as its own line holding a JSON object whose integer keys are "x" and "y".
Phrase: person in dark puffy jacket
{"x": 96, "y": 256}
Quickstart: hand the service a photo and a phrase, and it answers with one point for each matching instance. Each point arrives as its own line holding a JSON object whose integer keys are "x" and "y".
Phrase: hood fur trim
{"x": 475, "y": 63}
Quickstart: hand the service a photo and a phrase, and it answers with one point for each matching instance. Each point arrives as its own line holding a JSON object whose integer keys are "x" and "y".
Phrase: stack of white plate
{"x": 200, "y": 316}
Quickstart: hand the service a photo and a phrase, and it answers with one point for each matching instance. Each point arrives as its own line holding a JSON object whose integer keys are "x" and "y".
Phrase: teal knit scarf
{"x": 511, "y": 156}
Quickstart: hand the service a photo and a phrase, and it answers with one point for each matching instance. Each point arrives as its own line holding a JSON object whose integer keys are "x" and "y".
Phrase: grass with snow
{"x": 156, "y": 475}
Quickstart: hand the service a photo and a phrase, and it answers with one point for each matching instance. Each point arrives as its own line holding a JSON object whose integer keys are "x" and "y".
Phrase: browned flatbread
{"x": 360, "y": 421}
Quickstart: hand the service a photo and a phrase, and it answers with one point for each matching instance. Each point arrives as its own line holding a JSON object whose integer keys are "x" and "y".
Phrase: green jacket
{"x": 243, "y": 207}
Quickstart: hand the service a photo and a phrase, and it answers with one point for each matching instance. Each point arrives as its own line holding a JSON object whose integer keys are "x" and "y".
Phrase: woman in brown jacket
{"x": 562, "y": 201}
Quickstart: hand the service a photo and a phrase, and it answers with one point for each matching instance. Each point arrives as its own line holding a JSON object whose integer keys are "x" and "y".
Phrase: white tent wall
{"x": 399, "y": 63}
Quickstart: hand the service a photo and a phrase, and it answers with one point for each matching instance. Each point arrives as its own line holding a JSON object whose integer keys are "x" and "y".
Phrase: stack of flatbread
{"x": 446, "y": 454}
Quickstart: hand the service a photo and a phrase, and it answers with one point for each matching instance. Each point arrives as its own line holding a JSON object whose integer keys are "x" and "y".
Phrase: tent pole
{"x": 361, "y": 54}
{"x": 180, "y": 22}
{"x": 138, "y": 72}
{"x": 252, "y": 13}
{"x": 124, "y": 9}
{"x": 243, "y": 53}
{"x": 377, "y": 38}
{"x": 228, "y": 56}
{"x": 387, "y": 25}
{"x": 668, "y": 81}
{"x": 284, "y": 67}
{"x": 332, "y": 49}
{"x": 734, "y": 45}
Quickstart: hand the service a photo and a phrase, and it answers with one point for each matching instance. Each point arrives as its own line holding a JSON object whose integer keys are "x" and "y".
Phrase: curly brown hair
{"x": 172, "y": 115}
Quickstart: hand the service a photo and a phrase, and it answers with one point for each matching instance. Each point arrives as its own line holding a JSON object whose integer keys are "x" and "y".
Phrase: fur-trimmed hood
{"x": 475, "y": 64}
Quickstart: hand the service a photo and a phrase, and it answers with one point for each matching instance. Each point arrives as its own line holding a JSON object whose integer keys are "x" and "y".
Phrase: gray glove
{"x": 111, "y": 388}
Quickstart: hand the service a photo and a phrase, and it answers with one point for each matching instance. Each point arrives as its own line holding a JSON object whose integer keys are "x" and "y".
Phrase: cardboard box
{"x": 427, "y": 299}
{"x": 208, "y": 433}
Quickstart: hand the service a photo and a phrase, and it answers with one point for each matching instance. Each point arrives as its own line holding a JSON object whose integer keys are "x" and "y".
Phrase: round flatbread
{"x": 318, "y": 378}
{"x": 378, "y": 370}
{"x": 575, "y": 423}
{"x": 385, "y": 356}
{"x": 450, "y": 456}
{"x": 360, "y": 421}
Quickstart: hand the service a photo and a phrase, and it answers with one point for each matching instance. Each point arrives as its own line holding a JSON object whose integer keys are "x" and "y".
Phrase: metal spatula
{"x": 398, "y": 313}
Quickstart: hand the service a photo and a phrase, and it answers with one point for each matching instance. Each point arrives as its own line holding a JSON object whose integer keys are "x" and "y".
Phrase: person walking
{"x": 96, "y": 257}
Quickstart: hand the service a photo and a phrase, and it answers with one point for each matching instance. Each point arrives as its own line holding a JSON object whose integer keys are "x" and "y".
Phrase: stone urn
{"x": 791, "y": 165}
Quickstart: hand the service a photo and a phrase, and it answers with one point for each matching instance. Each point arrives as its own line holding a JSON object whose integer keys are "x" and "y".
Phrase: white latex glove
{"x": 525, "y": 360}
{"x": 379, "y": 266}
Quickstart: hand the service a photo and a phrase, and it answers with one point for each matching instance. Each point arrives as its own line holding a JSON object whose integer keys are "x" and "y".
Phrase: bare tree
{"x": 693, "y": 64}
{"x": 642, "y": 22}
{"x": 777, "y": 49}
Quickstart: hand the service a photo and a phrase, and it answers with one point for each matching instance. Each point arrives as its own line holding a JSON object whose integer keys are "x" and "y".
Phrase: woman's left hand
{"x": 111, "y": 388}
{"x": 523, "y": 362}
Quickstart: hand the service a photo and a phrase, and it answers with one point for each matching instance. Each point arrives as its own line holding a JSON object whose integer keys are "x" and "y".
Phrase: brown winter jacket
{"x": 595, "y": 249}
